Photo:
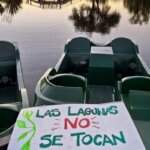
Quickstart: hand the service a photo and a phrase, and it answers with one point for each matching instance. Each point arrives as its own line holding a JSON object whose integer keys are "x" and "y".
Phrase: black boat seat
{"x": 70, "y": 80}
{"x": 78, "y": 45}
{"x": 8, "y": 117}
{"x": 135, "y": 93}
{"x": 125, "y": 53}
{"x": 135, "y": 83}
{"x": 78, "y": 53}
{"x": 9, "y": 53}
{"x": 123, "y": 46}
{"x": 62, "y": 88}
{"x": 138, "y": 103}
{"x": 11, "y": 96}
{"x": 7, "y": 64}
{"x": 61, "y": 95}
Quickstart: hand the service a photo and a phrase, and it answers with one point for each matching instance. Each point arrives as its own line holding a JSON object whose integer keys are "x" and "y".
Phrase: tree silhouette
{"x": 139, "y": 10}
{"x": 12, "y": 6}
{"x": 95, "y": 18}
{"x": 9, "y": 8}
{"x": 1, "y": 9}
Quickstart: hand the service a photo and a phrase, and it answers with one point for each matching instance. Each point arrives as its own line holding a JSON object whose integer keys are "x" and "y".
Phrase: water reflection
{"x": 1, "y": 9}
{"x": 96, "y": 17}
{"x": 9, "y": 8}
{"x": 139, "y": 10}
{"x": 49, "y": 3}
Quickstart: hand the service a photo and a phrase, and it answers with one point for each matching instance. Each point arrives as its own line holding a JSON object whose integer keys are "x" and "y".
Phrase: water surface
{"x": 41, "y": 30}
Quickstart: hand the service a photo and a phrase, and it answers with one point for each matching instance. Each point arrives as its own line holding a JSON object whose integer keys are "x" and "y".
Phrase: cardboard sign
{"x": 75, "y": 127}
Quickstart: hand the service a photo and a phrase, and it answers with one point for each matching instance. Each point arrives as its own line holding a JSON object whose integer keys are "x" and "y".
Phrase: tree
{"x": 9, "y": 8}
{"x": 139, "y": 10}
{"x": 95, "y": 18}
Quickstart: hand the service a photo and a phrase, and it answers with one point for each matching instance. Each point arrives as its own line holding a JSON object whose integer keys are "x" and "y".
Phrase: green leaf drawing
{"x": 21, "y": 124}
{"x": 27, "y": 114}
{"x": 26, "y": 146}
{"x": 23, "y": 135}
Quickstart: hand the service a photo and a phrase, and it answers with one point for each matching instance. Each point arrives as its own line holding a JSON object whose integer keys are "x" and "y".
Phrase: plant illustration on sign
{"x": 30, "y": 130}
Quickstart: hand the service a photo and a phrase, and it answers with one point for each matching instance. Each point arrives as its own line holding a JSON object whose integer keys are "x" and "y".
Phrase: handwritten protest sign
{"x": 75, "y": 127}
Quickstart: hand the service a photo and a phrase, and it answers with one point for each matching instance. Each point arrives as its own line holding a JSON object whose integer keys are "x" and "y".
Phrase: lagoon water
{"x": 40, "y": 32}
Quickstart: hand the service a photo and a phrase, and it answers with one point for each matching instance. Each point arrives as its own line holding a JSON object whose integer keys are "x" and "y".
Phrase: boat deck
{"x": 99, "y": 94}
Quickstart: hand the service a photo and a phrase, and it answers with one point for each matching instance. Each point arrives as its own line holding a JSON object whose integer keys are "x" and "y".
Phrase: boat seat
{"x": 11, "y": 96}
{"x": 8, "y": 116}
{"x": 138, "y": 103}
{"x": 7, "y": 122}
{"x": 62, "y": 88}
{"x": 7, "y": 64}
{"x": 78, "y": 53}
{"x": 78, "y": 45}
{"x": 9, "y": 54}
{"x": 135, "y": 83}
{"x": 125, "y": 56}
{"x": 125, "y": 65}
{"x": 123, "y": 46}
{"x": 70, "y": 80}
{"x": 135, "y": 92}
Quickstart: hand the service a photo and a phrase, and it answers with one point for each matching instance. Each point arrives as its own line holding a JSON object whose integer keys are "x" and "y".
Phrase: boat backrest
{"x": 125, "y": 54}
{"x": 7, "y": 51}
{"x": 123, "y": 46}
{"x": 78, "y": 45}
{"x": 126, "y": 64}
{"x": 77, "y": 54}
{"x": 7, "y": 61}
{"x": 135, "y": 83}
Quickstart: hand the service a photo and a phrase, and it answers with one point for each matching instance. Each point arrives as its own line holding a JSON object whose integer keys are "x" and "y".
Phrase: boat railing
{"x": 144, "y": 65}
{"x": 22, "y": 89}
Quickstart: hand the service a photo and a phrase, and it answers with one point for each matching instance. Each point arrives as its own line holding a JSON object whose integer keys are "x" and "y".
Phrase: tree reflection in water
{"x": 139, "y": 9}
{"x": 49, "y": 3}
{"x": 9, "y": 8}
{"x": 1, "y": 9}
{"x": 95, "y": 18}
